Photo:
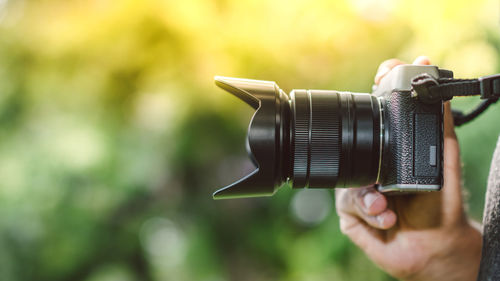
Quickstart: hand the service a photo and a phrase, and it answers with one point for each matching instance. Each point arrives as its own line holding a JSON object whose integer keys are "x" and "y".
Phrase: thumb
{"x": 452, "y": 176}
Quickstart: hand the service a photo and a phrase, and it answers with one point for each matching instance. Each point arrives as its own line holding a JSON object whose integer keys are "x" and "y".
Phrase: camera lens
{"x": 314, "y": 138}
{"x": 335, "y": 139}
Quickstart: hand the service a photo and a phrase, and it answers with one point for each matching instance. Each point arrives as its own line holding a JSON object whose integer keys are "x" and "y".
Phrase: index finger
{"x": 389, "y": 64}
{"x": 385, "y": 67}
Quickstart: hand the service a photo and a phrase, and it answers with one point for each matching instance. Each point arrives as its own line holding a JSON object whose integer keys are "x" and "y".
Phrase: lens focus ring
{"x": 316, "y": 138}
{"x": 301, "y": 112}
{"x": 325, "y": 139}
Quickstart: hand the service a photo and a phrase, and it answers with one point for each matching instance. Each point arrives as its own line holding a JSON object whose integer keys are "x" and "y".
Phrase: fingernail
{"x": 421, "y": 60}
{"x": 368, "y": 199}
{"x": 380, "y": 220}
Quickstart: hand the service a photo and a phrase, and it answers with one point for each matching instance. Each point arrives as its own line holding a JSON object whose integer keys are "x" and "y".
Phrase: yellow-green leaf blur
{"x": 113, "y": 135}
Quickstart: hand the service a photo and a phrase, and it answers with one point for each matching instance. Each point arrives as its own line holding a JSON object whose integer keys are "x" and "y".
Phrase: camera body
{"x": 412, "y": 157}
{"x": 326, "y": 139}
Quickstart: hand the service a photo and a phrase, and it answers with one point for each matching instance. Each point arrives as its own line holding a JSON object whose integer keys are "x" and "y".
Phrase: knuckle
{"x": 347, "y": 226}
{"x": 344, "y": 228}
{"x": 390, "y": 63}
{"x": 342, "y": 199}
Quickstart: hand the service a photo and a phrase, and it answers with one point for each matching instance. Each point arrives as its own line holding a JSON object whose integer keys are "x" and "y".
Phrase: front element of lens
{"x": 335, "y": 139}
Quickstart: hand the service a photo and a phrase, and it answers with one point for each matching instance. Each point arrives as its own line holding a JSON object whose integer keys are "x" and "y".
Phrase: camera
{"x": 330, "y": 139}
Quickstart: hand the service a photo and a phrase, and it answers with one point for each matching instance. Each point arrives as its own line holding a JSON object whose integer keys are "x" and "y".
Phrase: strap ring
{"x": 421, "y": 85}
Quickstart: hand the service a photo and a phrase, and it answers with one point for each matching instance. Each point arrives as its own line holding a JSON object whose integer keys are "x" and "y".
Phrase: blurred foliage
{"x": 113, "y": 136}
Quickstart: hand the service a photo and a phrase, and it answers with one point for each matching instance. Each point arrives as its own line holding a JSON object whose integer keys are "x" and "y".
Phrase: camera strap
{"x": 431, "y": 90}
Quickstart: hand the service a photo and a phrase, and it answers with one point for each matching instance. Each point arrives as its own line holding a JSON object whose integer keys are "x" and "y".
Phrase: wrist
{"x": 458, "y": 260}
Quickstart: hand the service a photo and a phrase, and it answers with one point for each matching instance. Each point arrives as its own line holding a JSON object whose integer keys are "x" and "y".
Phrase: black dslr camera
{"x": 326, "y": 139}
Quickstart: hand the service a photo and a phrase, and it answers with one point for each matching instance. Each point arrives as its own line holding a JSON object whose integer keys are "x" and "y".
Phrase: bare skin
{"x": 420, "y": 236}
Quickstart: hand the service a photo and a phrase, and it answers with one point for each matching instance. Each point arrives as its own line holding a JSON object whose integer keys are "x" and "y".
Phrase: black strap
{"x": 459, "y": 118}
{"x": 431, "y": 90}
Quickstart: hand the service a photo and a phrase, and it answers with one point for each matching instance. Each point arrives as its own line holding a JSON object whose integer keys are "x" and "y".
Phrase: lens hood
{"x": 268, "y": 138}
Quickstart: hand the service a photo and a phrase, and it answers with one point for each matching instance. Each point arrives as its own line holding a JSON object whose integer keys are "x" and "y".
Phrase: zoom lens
{"x": 317, "y": 139}
{"x": 335, "y": 139}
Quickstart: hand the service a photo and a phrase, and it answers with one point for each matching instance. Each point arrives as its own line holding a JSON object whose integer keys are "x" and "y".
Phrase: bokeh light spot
{"x": 311, "y": 206}
{"x": 164, "y": 242}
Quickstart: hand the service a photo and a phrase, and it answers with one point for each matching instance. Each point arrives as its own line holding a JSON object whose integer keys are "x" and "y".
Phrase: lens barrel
{"x": 314, "y": 138}
{"x": 335, "y": 139}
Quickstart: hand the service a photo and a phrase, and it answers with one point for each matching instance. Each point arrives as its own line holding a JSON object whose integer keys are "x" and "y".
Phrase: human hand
{"x": 424, "y": 236}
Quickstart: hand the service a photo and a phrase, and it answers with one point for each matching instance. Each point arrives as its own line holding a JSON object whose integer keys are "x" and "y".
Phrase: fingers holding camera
{"x": 386, "y": 66}
{"x": 367, "y": 204}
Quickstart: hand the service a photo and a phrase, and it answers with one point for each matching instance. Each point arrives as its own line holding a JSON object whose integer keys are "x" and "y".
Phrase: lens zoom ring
{"x": 325, "y": 139}
{"x": 301, "y": 138}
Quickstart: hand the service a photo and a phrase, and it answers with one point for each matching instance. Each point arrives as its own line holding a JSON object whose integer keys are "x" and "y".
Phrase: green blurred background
{"x": 113, "y": 135}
